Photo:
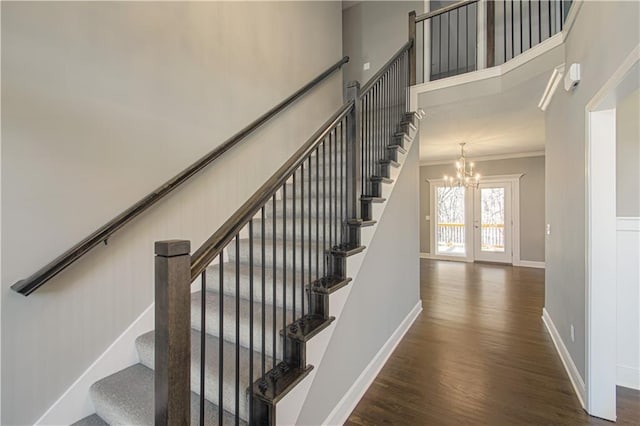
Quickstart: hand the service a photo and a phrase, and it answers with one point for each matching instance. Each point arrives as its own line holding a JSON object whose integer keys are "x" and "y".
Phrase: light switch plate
{"x": 366, "y": 66}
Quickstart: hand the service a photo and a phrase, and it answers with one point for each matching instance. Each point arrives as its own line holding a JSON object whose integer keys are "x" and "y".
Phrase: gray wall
{"x": 599, "y": 50}
{"x": 628, "y": 156}
{"x": 386, "y": 289}
{"x": 101, "y": 103}
{"x": 531, "y": 200}
{"x": 372, "y": 32}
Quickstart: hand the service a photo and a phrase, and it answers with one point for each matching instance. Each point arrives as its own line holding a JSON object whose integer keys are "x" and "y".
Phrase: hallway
{"x": 479, "y": 354}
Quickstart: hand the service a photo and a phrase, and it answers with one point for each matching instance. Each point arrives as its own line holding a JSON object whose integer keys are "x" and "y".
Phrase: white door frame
{"x": 600, "y": 247}
{"x": 515, "y": 217}
{"x": 507, "y": 255}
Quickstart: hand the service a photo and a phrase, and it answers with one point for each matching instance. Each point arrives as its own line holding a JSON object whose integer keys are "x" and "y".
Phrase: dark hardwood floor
{"x": 479, "y": 354}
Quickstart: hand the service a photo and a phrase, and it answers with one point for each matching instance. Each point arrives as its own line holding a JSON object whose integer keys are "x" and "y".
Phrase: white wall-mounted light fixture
{"x": 572, "y": 77}
{"x": 552, "y": 85}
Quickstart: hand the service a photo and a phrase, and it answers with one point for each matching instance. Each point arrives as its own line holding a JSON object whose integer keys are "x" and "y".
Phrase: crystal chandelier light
{"x": 464, "y": 173}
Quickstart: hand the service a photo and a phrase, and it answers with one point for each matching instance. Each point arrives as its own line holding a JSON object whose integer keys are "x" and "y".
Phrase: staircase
{"x": 259, "y": 288}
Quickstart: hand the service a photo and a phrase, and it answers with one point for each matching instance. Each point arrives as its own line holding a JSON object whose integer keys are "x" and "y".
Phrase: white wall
{"x": 602, "y": 36}
{"x": 102, "y": 103}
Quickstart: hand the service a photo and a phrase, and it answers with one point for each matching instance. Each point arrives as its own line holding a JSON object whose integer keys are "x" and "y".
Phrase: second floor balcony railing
{"x": 464, "y": 36}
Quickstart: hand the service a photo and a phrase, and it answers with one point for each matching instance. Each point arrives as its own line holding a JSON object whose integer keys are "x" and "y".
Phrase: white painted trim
{"x": 571, "y": 18}
{"x": 497, "y": 71}
{"x": 565, "y": 357}
{"x": 487, "y": 158}
{"x": 628, "y": 377}
{"x": 600, "y": 245}
{"x": 447, "y": 258}
{"x": 348, "y": 402}
{"x": 529, "y": 264}
{"x": 552, "y": 87}
{"x": 75, "y": 403}
{"x": 629, "y": 224}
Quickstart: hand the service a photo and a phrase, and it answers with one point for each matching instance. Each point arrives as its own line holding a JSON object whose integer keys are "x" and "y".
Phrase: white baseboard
{"x": 567, "y": 361}
{"x": 75, "y": 404}
{"x": 628, "y": 377}
{"x": 348, "y": 402}
{"x": 529, "y": 264}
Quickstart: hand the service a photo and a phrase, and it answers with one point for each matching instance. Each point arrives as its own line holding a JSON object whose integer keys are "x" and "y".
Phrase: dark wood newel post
{"x": 172, "y": 333}
{"x": 354, "y": 188}
{"x": 491, "y": 34}
{"x": 412, "y": 49}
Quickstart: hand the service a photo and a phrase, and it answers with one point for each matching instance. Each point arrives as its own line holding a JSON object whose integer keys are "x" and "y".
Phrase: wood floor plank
{"x": 479, "y": 355}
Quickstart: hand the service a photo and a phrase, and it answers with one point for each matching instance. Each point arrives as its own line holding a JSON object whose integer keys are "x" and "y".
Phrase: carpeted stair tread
{"x": 229, "y": 320}
{"x": 126, "y": 398}
{"x": 229, "y": 282}
{"x": 146, "y": 348}
{"x": 301, "y": 228}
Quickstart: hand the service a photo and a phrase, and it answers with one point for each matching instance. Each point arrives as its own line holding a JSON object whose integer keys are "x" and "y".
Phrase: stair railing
{"x": 474, "y": 34}
{"x": 292, "y": 237}
{"x": 275, "y": 262}
{"x": 102, "y": 234}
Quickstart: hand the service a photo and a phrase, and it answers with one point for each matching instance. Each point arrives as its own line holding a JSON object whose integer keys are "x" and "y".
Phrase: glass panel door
{"x": 492, "y": 223}
{"x": 450, "y": 229}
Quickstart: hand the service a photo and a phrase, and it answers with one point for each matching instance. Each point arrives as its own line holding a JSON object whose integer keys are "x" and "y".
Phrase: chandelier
{"x": 464, "y": 175}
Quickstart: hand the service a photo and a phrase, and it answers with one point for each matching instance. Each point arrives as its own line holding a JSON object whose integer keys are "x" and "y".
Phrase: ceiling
{"x": 504, "y": 123}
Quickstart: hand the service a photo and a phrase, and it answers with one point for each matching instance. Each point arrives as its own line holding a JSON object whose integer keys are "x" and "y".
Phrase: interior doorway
{"x": 476, "y": 224}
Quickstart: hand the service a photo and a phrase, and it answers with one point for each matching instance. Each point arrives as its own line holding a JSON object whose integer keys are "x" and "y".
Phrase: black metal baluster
{"x": 331, "y": 137}
{"x": 317, "y": 213}
{"x": 539, "y": 21}
{"x": 284, "y": 269}
{"x": 250, "y": 317}
{"x": 448, "y": 42}
{"x": 512, "y": 33}
{"x": 530, "y": 23}
{"x": 457, "y": 41}
{"x": 504, "y": 29}
{"x": 466, "y": 44}
{"x": 324, "y": 208}
{"x": 561, "y": 14}
{"x": 264, "y": 350}
{"x": 549, "y": 1}
{"x": 335, "y": 187}
{"x": 293, "y": 275}
{"x": 520, "y": 4}
{"x": 343, "y": 188}
{"x": 302, "y": 284}
{"x": 220, "y": 334}
{"x": 310, "y": 280}
{"x": 273, "y": 273}
{"x": 237, "y": 296}
{"x": 203, "y": 340}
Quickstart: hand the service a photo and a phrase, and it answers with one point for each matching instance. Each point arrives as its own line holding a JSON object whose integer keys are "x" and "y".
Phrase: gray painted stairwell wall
{"x": 102, "y": 102}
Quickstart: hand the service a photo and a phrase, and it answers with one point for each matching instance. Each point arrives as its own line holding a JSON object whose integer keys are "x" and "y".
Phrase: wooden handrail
{"x": 53, "y": 268}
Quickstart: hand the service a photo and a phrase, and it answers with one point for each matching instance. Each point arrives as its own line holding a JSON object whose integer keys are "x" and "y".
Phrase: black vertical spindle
{"x": 324, "y": 207}
{"x": 539, "y": 21}
{"x": 220, "y": 334}
{"x": 203, "y": 340}
{"x": 262, "y": 263}
{"x": 293, "y": 235}
{"x": 521, "y": 21}
{"x": 302, "y": 293}
{"x": 273, "y": 273}
{"x": 284, "y": 268}
{"x": 504, "y": 28}
{"x": 237, "y": 319}
{"x": 512, "y": 33}
{"x": 317, "y": 213}
{"x": 250, "y": 317}
{"x": 549, "y": 2}
{"x": 530, "y": 23}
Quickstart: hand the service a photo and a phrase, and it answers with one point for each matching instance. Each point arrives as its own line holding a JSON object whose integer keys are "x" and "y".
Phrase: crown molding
{"x": 487, "y": 158}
